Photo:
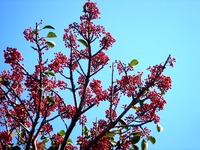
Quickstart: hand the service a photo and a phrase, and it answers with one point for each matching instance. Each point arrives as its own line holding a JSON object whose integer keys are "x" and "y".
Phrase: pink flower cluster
{"x": 12, "y": 55}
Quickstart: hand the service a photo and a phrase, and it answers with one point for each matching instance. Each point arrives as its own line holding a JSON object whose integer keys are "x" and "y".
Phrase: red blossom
{"x": 28, "y": 34}
{"x": 70, "y": 111}
{"x": 70, "y": 39}
{"x": 12, "y": 55}
{"x": 47, "y": 128}
{"x": 92, "y": 10}
{"x": 5, "y": 137}
{"x": 107, "y": 41}
{"x": 99, "y": 60}
{"x": 83, "y": 120}
{"x": 103, "y": 144}
{"x": 35, "y": 112}
{"x": 83, "y": 142}
{"x": 111, "y": 114}
{"x": 129, "y": 84}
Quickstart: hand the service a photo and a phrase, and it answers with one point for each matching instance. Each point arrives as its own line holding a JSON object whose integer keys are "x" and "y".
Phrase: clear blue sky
{"x": 148, "y": 30}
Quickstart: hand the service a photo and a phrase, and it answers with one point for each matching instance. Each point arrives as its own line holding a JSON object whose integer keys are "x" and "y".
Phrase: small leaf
{"x": 48, "y": 27}
{"x": 141, "y": 102}
{"x": 162, "y": 93}
{"x": 135, "y": 147}
{"x": 50, "y": 100}
{"x": 42, "y": 146}
{"x": 123, "y": 123}
{"x": 34, "y": 31}
{"x": 86, "y": 132}
{"x": 49, "y": 73}
{"x": 135, "y": 139}
{"x": 84, "y": 8}
{"x": 51, "y": 35}
{"x": 45, "y": 140}
{"x": 159, "y": 128}
{"x": 134, "y": 62}
{"x": 22, "y": 134}
{"x": 144, "y": 145}
{"x": 152, "y": 139}
{"x": 137, "y": 133}
{"x": 4, "y": 82}
{"x": 61, "y": 132}
{"x": 135, "y": 108}
{"x": 51, "y": 44}
{"x": 69, "y": 141}
{"x": 83, "y": 42}
{"x": 110, "y": 134}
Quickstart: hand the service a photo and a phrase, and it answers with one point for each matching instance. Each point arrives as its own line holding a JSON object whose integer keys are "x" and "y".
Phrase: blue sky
{"x": 148, "y": 30}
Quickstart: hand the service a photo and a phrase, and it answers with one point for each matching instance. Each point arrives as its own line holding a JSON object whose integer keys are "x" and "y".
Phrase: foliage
{"x": 28, "y": 120}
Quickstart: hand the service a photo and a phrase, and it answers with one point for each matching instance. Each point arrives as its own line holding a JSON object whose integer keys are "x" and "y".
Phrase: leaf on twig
{"x": 144, "y": 145}
{"x": 152, "y": 139}
{"x": 134, "y": 62}
{"x": 51, "y": 35}
{"x": 48, "y": 27}
{"x": 83, "y": 42}
{"x": 51, "y": 44}
{"x": 61, "y": 132}
{"x": 159, "y": 128}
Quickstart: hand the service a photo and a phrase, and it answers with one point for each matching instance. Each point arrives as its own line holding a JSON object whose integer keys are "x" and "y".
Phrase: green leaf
{"x": 61, "y": 132}
{"x": 84, "y": 8}
{"x": 137, "y": 133}
{"x": 159, "y": 128}
{"x": 162, "y": 93}
{"x": 42, "y": 146}
{"x": 51, "y": 44}
{"x": 51, "y": 35}
{"x": 110, "y": 134}
{"x": 49, "y": 73}
{"x": 4, "y": 82}
{"x": 123, "y": 123}
{"x": 135, "y": 139}
{"x": 22, "y": 134}
{"x": 144, "y": 145}
{"x": 134, "y": 62}
{"x": 50, "y": 100}
{"x": 45, "y": 140}
{"x": 141, "y": 102}
{"x": 135, "y": 147}
{"x": 135, "y": 107}
{"x": 69, "y": 141}
{"x": 1, "y": 79}
{"x": 152, "y": 139}
{"x": 86, "y": 132}
{"x": 48, "y": 27}
{"x": 83, "y": 42}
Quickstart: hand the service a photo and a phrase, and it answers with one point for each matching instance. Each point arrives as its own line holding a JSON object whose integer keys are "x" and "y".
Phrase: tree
{"x": 30, "y": 102}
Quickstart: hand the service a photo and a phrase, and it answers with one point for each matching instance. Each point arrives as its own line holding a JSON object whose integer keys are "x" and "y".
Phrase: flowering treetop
{"x": 30, "y": 102}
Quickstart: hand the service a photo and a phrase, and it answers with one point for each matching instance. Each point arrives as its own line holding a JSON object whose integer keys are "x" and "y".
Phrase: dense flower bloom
{"x": 28, "y": 34}
{"x": 129, "y": 84}
{"x": 83, "y": 120}
{"x": 107, "y": 41}
{"x": 12, "y": 55}
{"x": 31, "y": 101}
{"x": 111, "y": 114}
{"x": 5, "y": 137}
{"x": 99, "y": 60}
